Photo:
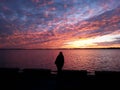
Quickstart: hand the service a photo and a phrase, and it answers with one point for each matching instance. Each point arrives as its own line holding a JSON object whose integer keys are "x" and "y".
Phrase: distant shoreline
{"x": 57, "y": 48}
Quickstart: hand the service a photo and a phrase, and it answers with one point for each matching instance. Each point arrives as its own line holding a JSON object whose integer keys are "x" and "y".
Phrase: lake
{"x": 82, "y": 59}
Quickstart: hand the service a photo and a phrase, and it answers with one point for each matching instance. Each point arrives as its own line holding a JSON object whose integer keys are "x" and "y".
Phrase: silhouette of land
{"x": 56, "y": 48}
{"x": 45, "y": 79}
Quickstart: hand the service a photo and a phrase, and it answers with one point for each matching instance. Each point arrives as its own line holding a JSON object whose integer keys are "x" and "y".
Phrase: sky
{"x": 33, "y": 24}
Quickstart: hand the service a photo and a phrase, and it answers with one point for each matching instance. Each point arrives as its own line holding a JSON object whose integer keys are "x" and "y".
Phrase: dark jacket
{"x": 59, "y": 60}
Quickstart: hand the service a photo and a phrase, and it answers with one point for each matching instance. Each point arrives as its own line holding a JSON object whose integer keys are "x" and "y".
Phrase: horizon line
{"x": 55, "y": 48}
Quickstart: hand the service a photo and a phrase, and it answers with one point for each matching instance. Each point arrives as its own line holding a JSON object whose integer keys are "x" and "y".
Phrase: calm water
{"x": 89, "y": 60}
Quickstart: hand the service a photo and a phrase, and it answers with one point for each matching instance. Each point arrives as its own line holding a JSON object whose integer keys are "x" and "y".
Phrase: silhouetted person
{"x": 59, "y": 62}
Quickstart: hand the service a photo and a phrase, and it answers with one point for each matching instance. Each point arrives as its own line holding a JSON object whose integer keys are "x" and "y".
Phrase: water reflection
{"x": 89, "y": 60}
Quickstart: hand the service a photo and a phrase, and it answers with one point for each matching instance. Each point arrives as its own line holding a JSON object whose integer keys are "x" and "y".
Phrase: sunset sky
{"x": 59, "y": 23}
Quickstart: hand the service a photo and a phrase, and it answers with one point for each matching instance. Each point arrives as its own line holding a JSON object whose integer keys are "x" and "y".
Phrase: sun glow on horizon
{"x": 91, "y": 42}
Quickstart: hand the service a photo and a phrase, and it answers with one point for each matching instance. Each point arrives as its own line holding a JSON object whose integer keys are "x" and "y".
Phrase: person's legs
{"x": 59, "y": 68}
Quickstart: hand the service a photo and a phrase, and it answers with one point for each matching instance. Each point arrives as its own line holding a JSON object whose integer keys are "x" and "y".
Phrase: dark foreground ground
{"x": 44, "y": 79}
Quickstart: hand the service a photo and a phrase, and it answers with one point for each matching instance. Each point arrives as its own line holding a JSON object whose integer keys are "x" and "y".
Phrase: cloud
{"x": 53, "y": 23}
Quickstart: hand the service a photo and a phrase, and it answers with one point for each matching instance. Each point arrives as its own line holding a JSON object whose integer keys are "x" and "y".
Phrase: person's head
{"x": 60, "y": 53}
